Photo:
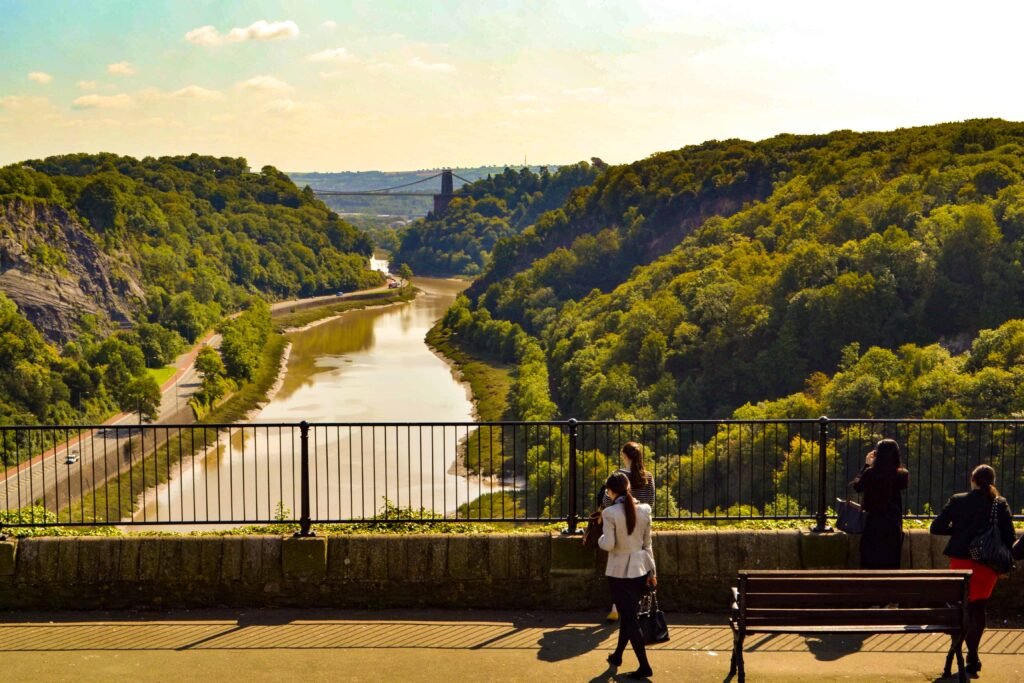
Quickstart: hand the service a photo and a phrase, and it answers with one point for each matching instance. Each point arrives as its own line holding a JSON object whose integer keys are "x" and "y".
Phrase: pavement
{"x": 435, "y": 645}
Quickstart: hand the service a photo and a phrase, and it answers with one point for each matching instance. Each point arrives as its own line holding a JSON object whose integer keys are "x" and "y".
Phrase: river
{"x": 366, "y": 366}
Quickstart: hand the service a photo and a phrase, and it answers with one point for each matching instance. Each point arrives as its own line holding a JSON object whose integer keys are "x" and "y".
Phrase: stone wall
{"x": 515, "y": 571}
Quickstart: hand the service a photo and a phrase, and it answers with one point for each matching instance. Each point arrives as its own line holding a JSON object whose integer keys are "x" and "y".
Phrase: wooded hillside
{"x": 848, "y": 273}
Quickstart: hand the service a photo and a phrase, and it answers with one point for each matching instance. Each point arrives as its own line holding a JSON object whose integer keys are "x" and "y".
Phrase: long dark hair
{"x": 618, "y": 484}
{"x": 984, "y": 477}
{"x": 637, "y": 473}
{"x": 887, "y": 457}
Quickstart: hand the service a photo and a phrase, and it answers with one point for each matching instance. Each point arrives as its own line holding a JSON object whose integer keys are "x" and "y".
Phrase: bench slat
{"x": 792, "y": 600}
{"x": 942, "y": 588}
{"x": 866, "y": 628}
{"x": 867, "y": 573}
{"x": 854, "y": 617}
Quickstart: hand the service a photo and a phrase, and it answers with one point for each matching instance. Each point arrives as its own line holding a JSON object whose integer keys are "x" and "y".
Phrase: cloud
{"x": 40, "y": 77}
{"x": 330, "y": 25}
{"x": 584, "y": 92}
{"x": 532, "y": 111}
{"x": 258, "y": 30}
{"x": 119, "y": 101}
{"x": 194, "y": 92}
{"x": 435, "y": 67}
{"x": 286, "y": 106}
{"x": 264, "y": 83}
{"x": 338, "y": 54}
{"x": 21, "y": 102}
{"x": 524, "y": 97}
{"x": 121, "y": 69}
{"x": 87, "y": 85}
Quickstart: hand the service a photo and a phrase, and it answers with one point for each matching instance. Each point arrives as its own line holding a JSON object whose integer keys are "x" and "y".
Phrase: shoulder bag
{"x": 651, "y": 619}
{"x": 850, "y": 516}
{"x": 594, "y": 530}
{"x": 987, "y": 546}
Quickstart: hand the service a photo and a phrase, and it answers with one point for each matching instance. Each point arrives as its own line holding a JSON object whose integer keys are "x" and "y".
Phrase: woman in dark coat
{"x": 963, "y": 518}
{"x": 881, "y": 482}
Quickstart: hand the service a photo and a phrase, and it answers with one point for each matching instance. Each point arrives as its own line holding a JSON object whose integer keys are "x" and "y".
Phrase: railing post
{"x": 573, "y": 517}
{"x": 304, "y": 520}
{"x": 821, "y": 526}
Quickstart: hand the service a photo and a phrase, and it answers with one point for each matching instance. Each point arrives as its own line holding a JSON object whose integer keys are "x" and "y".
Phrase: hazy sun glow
{"x": 390, "y": 85}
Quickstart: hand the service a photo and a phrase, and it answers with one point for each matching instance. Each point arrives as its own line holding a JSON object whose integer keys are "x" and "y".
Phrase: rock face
{"x": 56, "y": 272}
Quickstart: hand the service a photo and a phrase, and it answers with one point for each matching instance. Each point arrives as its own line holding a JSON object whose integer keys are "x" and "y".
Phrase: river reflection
{"x": 367, "y": 366}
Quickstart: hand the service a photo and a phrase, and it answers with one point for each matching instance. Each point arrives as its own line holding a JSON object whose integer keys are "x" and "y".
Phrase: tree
{"x": 405, "y": 272}
{"x": 141, "y": 395}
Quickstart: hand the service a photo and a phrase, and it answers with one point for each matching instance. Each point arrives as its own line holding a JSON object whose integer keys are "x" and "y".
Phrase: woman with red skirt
{"x": 964, "y": 517}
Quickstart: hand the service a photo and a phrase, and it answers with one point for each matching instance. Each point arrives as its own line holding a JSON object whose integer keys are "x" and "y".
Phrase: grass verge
{"x": 489, "y": 380}
{"x": 490, "y": 383}
{"x": 161, "y": 375}
{"x": 305, "y": 316}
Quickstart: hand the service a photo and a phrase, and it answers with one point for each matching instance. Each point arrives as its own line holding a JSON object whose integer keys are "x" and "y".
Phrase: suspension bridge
{"x": 441, "y": 200}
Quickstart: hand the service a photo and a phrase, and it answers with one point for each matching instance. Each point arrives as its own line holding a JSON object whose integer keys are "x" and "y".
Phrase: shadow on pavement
{"x": 831, "y": 648}
{"x": 565, "y": 643}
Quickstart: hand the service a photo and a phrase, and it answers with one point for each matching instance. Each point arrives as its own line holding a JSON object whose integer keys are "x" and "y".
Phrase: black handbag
{"x": 651, "y": 619}
{"x": 850, "y": 516}
{"x": 595, "y": 527}
{"x": 987, "y": 546}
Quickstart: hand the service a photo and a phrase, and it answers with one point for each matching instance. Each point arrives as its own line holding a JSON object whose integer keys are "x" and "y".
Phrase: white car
{"x": 72, "y": 458}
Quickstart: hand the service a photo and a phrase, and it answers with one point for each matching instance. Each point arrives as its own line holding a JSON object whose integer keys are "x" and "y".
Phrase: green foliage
{"x": 694, "y": 282}
{"x": 842, "y": 274}
{"x": 206, "y": 237}
{"x": 482, "y": 213}
{"x": 242, "y": 337}
{"x": 141, "y": 395}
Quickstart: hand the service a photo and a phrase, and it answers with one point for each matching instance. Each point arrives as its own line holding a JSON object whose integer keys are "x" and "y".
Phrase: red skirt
{"x": 983, "y": 579}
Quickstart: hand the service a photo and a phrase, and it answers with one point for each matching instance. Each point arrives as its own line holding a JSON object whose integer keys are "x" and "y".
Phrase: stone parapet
{"x": 365, "y": 571}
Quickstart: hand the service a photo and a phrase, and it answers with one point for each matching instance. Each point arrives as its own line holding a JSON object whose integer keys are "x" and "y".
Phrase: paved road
{"x": 444, "y": 646}
{"x": 102, "y": 452}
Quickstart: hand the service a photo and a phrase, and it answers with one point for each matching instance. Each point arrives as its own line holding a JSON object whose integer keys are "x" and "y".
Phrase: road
{"x": 106, "y": 449}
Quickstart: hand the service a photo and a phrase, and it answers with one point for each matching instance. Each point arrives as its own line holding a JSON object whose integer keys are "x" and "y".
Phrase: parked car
{"x": 72, "y": 458}
{"x": 394, "y": 284}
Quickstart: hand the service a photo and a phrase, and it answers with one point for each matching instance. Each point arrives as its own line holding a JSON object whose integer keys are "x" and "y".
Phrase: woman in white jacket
{"x": 627, "y": 539}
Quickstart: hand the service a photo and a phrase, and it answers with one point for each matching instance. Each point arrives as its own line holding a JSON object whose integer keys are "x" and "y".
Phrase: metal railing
{"x": 717, "y": 470}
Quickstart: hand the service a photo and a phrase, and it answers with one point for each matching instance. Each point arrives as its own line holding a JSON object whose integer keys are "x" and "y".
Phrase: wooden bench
{"x": 851, "y": 602}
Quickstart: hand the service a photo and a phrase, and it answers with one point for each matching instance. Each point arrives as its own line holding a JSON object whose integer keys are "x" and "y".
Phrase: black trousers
{"x": 626, "y": 594}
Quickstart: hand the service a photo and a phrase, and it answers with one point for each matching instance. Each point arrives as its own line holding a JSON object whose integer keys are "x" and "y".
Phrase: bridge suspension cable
{"x": 385, "y": 190}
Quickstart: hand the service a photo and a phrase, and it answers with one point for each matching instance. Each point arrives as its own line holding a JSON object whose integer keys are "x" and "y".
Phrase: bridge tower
{"x": 442, "y": 200}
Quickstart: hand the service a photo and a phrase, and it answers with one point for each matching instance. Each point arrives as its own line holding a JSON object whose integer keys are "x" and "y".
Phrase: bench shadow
{"x": 829, "y": 648}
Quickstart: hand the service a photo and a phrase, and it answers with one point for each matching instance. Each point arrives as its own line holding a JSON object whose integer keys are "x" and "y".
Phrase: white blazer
{"x": 629, "y": 555}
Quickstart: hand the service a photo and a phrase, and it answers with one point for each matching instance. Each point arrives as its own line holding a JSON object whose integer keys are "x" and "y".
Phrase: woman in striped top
{"x": 641, "y": 483}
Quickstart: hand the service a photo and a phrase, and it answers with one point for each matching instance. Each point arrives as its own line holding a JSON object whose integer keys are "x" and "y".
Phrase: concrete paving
{"x": 315, "y": 645}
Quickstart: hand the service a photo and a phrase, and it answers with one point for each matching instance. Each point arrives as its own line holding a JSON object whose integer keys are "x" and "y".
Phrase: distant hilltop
{"x": 359, "y": 181}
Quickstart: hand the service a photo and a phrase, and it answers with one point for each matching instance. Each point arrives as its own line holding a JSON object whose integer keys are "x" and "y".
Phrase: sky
{"x": 403, "y": 85}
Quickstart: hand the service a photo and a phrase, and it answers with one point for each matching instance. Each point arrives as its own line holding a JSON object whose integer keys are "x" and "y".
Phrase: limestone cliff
{"x": 56, "y": 272}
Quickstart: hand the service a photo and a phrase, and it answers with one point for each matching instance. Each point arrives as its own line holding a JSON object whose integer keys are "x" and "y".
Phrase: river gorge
{"x": 344, "y": 376}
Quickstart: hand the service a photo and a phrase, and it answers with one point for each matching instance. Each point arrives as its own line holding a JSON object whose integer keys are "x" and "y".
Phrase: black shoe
{"x": 615, "y": 660}
{"x": 973, "y": 667}
{"x": 640, "y": 674}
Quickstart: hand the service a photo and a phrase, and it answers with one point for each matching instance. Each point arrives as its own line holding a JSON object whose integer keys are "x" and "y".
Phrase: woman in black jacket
{"x": 881, "y": 481}
{"x": 964, "y": 517}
